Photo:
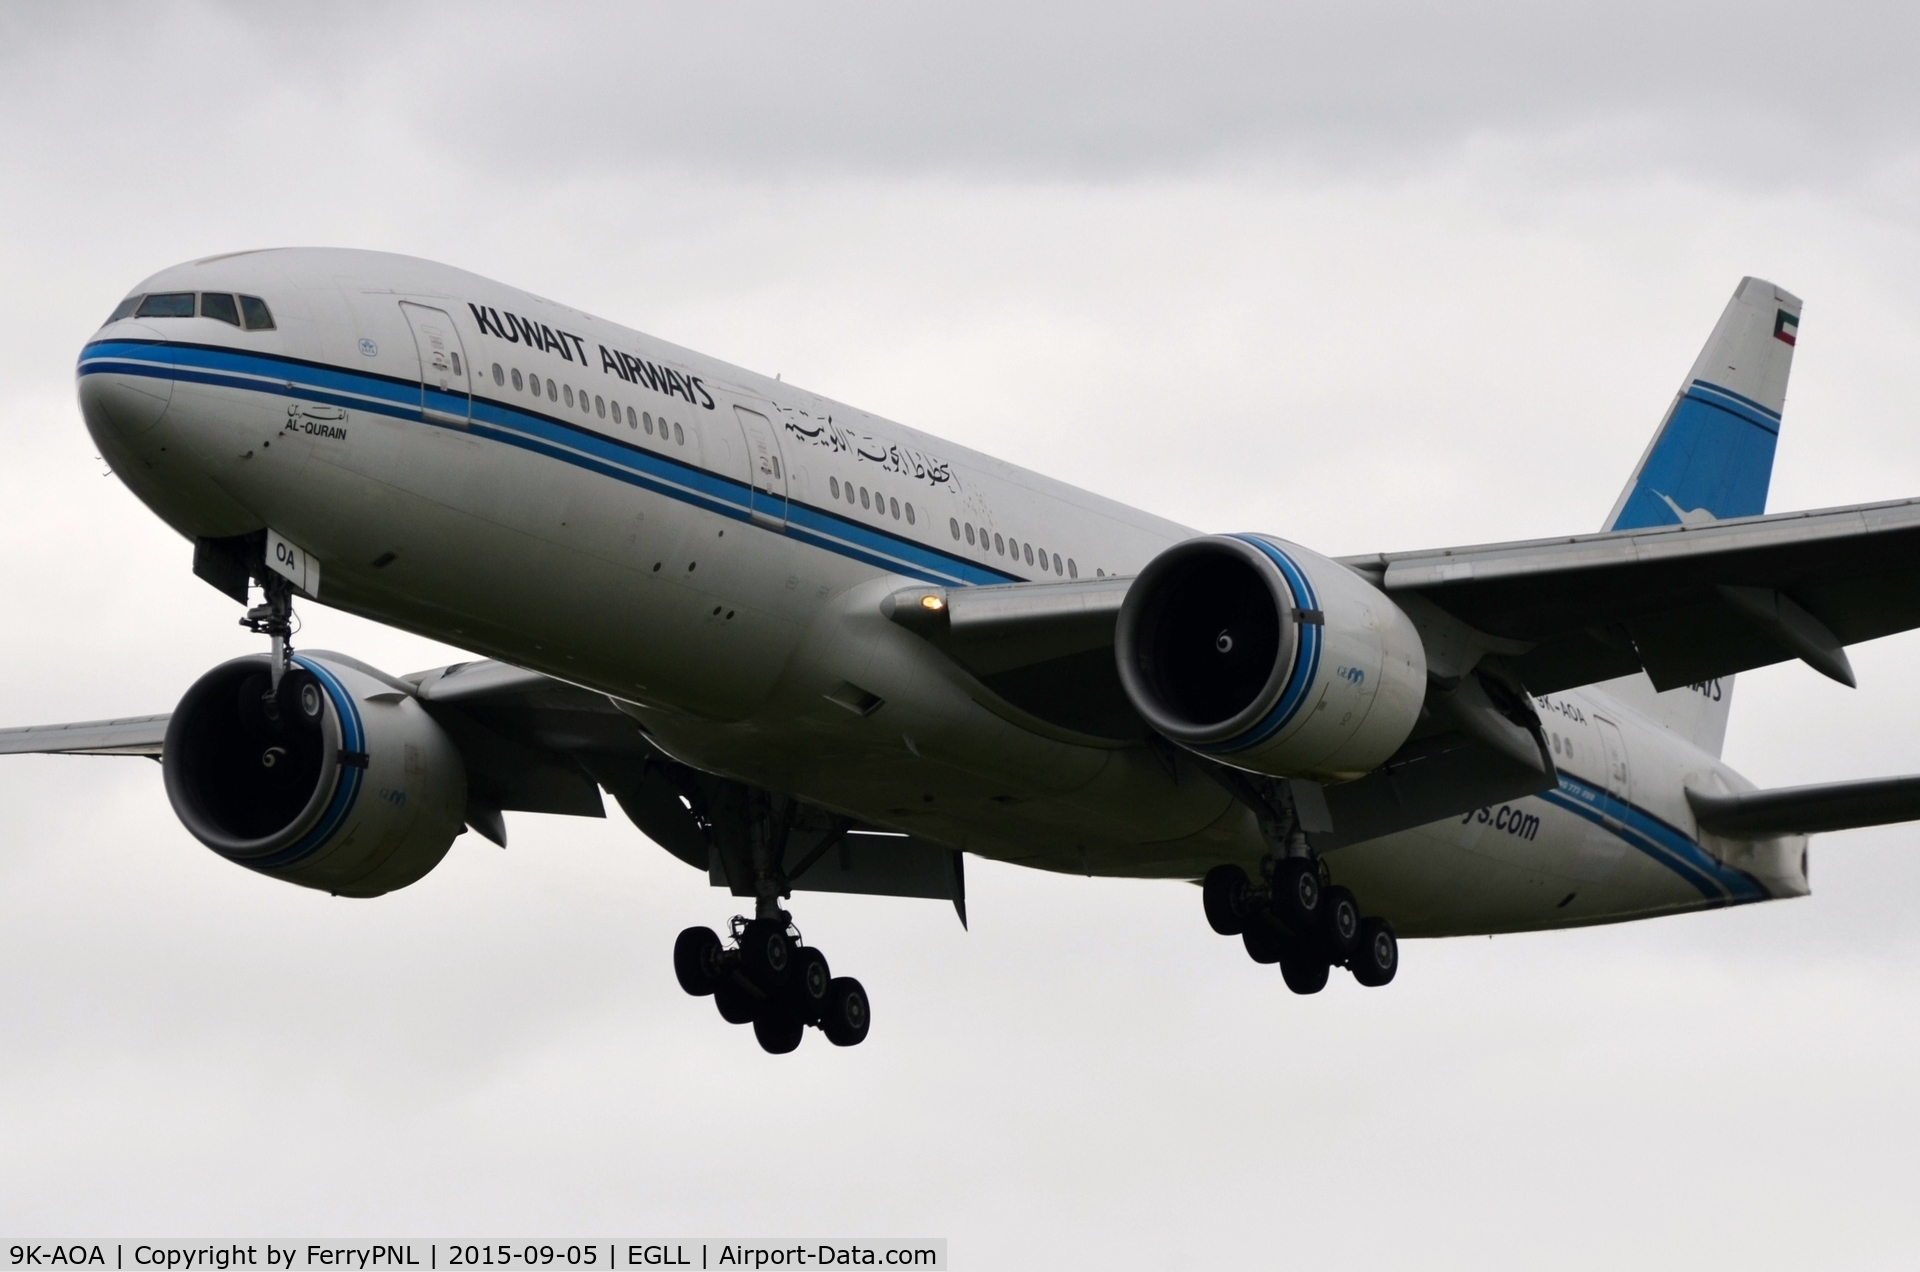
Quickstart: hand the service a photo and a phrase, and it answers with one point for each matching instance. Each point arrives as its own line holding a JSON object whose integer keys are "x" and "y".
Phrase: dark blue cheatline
{"x": 536, "y": 433}
{"x": 1719, "y": 883}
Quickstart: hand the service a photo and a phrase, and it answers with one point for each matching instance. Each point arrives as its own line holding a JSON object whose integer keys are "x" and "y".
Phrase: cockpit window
{"x": 124, "y": 309}
{"x": 259, "y": 318}
{"x": 219, "y": 305}
{"x": 166, "y": 305}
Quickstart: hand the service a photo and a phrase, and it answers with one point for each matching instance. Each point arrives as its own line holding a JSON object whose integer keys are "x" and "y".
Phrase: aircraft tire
{"x": 1339, "y": 924}
{"x": 1262, "y": 941}
{"x": 1305, "y": 968}
{"x": 778, "y": 1032}
{"x": 1224, "y": 894}
{"x": 1295, "y": 905}
{"x": 766, "y": 954}
{"x": 737, "y": 1006}
{"x": 696, "y": 953}
{"x": 848, "y": 1015}
{"x": 808, "y": 985}
{"x": 1378, "y": 957}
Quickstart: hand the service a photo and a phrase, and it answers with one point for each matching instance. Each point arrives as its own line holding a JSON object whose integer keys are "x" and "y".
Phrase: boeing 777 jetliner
{"x": 804, "y": 647}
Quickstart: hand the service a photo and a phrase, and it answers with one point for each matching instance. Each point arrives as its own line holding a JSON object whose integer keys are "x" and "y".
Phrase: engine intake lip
{"x": 231, "y": 808}
{"x": 1170, "y": 659}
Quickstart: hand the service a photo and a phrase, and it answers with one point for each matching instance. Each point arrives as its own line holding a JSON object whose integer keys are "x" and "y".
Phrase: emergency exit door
{"x": 766, "y": 475}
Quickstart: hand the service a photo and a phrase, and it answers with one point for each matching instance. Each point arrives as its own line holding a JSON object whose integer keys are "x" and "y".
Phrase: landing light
{"x": 932, "y": 603}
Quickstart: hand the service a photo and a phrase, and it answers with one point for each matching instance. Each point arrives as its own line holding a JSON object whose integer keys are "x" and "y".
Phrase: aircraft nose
{"x": 125, "y": 381}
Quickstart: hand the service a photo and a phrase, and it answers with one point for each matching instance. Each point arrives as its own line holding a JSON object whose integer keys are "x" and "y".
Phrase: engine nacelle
{"x": 341, "y": 782}
{"x": 1263, "y": 655}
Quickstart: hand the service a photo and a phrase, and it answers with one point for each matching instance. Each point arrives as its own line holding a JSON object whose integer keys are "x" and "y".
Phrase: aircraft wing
{"x": 1808, "y": 810}
{"x": 134, "y": 735}
{"x": 1685, "y": 602}
{"x": 531, "y": 743}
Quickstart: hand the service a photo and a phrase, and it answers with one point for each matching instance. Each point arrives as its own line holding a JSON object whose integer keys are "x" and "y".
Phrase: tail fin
{"x": 1711, "y": 459}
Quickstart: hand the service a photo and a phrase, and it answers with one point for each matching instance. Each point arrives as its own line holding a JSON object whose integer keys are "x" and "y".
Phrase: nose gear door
{"x": 446, "y": 394}
{"x": 766, "y": 474}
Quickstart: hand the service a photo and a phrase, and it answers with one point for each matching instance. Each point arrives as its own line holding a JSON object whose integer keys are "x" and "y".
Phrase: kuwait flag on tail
{"x": 1786, "y": 327}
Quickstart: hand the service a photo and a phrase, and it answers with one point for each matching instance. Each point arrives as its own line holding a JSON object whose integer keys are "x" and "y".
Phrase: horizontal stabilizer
{"x": 1808, "y": 810}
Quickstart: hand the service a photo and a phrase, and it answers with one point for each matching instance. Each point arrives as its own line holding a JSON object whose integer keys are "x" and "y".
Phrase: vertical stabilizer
{"x": 1711, "y": 459}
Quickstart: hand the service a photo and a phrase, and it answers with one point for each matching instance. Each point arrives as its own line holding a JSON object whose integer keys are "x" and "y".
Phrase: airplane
{"x": 805, "y": 648}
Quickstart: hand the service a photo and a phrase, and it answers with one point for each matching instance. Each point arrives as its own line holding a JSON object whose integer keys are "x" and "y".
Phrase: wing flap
{"x": 1685, "y": 602}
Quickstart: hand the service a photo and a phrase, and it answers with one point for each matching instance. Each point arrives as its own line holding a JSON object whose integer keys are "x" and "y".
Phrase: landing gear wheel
{"x": 766, "y": 953}
{"x": 696, "y": 954}
{"x": 778, "y": 1032}
{"x": 847, "y": 1016}
{"x": 1262, "y": 942}
{"x": 1296, "y": 896}
{"x": 1304, "y": 968}
{"x": 737, "y": 1006}
{"x": 1378, "y": 957}
{"x": 807, "y": 986}
{"x": 1339, "y": 924}
{"x": 1224, "y": 893}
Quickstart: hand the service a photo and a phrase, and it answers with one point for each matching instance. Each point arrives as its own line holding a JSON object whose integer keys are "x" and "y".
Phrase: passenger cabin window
{"x": 255, "y": 311}
{"x": 456, "y": 364}
{"x": 499, "y": 374}
{"x": 833, "y": 484}
{"x": 909, "y": 514}
{"x": 125, "y": 308}
{"x": 953, "y": 524}
{"x": 166, "y": 305}
{"x": 1073, "y": 570}
{"x": 220, "y": 306}
{"x": 679, "y": 438}
{"x": 1029, "y": 552}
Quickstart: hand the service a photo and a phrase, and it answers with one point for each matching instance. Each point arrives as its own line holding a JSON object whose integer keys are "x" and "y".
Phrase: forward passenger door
{"x": 446, "y": 393}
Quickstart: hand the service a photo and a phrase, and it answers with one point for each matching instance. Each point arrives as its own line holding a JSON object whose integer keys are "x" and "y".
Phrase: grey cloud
{"x": 1757, "y": 92}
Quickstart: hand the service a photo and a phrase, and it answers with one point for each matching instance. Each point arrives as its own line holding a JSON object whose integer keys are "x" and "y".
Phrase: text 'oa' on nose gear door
{"x": 446, "y": 396}
{"x": 766, "y": 475}
{"x": 1619, "y": 780}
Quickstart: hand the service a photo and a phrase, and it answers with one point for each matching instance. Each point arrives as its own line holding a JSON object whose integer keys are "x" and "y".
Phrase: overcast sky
{"x": 1375, "y": 277}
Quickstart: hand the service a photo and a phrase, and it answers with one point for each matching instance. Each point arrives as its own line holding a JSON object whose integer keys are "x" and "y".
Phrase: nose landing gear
{"x": 766, "y": 978}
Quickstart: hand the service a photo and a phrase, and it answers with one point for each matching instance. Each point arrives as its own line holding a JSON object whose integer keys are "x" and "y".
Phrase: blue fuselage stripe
{"x": 537, "y": 434}
{"x": 1719, "y": 884}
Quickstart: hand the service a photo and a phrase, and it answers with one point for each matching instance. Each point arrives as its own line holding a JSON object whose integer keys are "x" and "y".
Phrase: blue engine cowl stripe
{"x": 1306, "y": 658}
{"x": 346, "y": 790}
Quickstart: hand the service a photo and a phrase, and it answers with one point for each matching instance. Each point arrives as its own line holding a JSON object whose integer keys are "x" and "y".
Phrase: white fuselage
{"x": 710, "y": 548}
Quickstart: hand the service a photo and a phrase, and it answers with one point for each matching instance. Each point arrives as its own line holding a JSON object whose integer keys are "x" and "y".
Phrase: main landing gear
{"x": 765, "y": 977}
{"x": 1292, "y": 918}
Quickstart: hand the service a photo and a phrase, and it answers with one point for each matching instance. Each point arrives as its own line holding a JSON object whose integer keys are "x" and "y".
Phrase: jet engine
{"x": 1266, "y": 656}
{"x": 339, "y": 781}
